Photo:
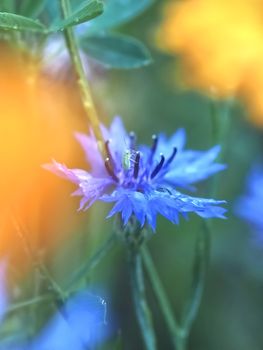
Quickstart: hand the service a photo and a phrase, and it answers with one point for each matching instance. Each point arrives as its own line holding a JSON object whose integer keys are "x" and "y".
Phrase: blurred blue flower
{"x": 79, "y": 324}
{"x": 143, "y": 181}
{"x": 250, "y": 205}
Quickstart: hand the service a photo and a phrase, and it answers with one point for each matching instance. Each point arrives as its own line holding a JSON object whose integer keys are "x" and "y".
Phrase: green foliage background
{"x": 231, "y": 312}
{"x": 149, "y": 101}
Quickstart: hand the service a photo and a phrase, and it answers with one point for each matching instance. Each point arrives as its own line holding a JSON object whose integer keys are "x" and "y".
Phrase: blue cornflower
{"x": 250, "y": 205}
{"x": 143, "y": 181}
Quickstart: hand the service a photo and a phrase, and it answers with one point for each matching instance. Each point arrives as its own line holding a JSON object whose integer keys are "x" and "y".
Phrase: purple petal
{"x": 92, "y": 153}
{"x": 4, "y": 300}
{"x": 73, "y": 175}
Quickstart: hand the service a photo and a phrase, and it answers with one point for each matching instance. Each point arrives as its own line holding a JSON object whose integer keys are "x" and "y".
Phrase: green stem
{"x": 36, "y": 262}
{"x": 26, "y": 303}
{"x": 82, "y": 81}
{"x": 139, "y": 298}
{"x": 161, "y": 296}
{"x": 90, "y": 264}
{"x": 180, "y": 333}
{"x": 81, "y": 273}
{"x": 220, "y": 118}
{"x": 198, "y": 282}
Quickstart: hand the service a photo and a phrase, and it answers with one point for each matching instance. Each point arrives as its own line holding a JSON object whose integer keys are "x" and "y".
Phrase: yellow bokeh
{"x": 37, "y": 118}
{"x": 221, "y": 46}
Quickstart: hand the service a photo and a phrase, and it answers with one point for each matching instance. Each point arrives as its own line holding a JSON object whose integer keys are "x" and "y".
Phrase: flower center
{"x": 130, "y": 162}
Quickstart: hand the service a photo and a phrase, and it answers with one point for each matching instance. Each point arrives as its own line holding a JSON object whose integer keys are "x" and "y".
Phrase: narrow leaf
{"x": 91, "y": 263}
{"x": 160, "y": 293}
{"x": 117, "y": 12}
{"x": 116, "y": 51}
{"x": 11, "y": 21}
{"x": 142, "y": 310}
{"x": 84, "y": 13}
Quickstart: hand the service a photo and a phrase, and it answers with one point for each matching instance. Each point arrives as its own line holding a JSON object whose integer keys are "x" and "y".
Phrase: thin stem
{"x": 220, "y": 118}
{"x": 38, "y": 264}
{"x": 84, "y": 269}
{"x": 90, "y": 264}
{"x": 198, "y": 282}
{"x": 172, "y": 324}
{"x": 26, "y": 303}
{"x": 82, "y": 81}
{"x": 139, "y": 298}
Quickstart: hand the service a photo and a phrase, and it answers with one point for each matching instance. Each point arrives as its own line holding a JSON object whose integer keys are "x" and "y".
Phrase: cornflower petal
{"x": 127, "y": 202}
{"x": 92, "y": 153}
{"x": 74, "y": 175}
{"x": 165, "y": 145}
{"x": 194, "y": 166}
{"x": 93, "y": 188}
{"x": 124, "y": 207}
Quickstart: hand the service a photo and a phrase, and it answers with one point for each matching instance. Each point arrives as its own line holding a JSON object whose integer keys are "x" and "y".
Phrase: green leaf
{"x": 11, "y": 21}
{"x": 116, "y": 51}
{"x": 86, "y": 12}
{"x": 32, "y": 8}
{"x": 117, "y": 12}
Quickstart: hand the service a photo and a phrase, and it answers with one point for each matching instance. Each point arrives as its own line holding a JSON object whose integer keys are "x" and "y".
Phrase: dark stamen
{"x": 158, "y": 166}
{"x": 153, "y": 148}
{"x": 154, "y": 144}
{"x": 136, "y": 165}
{"x": 107, "y": 148}
{"x": 172, "y": 156}
{"x": 132, "y": 137}
{"x": 108, "y": 153}
{"x": 110, "y": 171}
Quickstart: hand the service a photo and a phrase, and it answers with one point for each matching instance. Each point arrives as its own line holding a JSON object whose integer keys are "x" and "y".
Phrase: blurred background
{"x": 40, "y": 112}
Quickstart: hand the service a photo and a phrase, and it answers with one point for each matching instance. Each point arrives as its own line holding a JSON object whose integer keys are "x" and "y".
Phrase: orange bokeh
{"x": 37, "y": 118}
{"x": 221, "y": 47}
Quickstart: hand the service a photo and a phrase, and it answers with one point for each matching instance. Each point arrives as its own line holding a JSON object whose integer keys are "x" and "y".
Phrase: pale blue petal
{"x": 79, "y": 325}
{"x": 128, "y": 203}
{"x": 250, "y": 205}
{"x": 190, "y": 167}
